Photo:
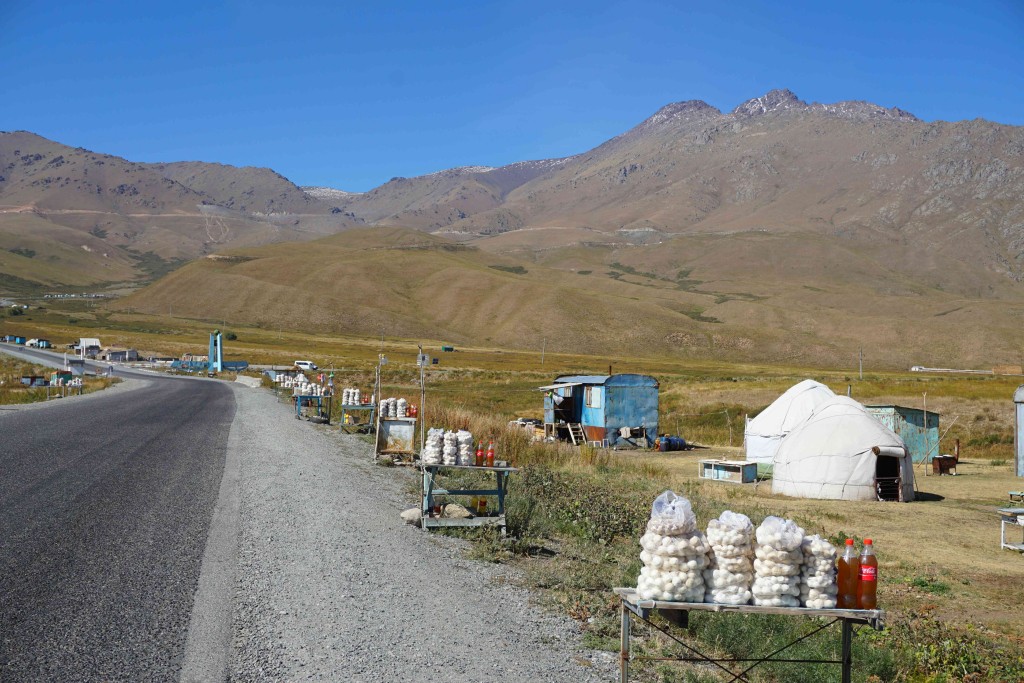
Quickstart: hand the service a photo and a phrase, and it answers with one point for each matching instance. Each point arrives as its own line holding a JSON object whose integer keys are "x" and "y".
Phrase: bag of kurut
{"x": 672, "y": 515}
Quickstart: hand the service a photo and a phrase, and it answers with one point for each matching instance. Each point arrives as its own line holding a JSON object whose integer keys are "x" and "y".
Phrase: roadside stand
{"x": 358, "y": 414}
{"x": 432, "y": 515}
{"x": 315, "y": 407}
{"x": 451, "y": 453}
{"x": 677, "y": 614}
{"x": 396, "y": 429}
{"x": 396, "y": 420}
{"x": 357, "y": 419}
{"x": 741, "y": 570}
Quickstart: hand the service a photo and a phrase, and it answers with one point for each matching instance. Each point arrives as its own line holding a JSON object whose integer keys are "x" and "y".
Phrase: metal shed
{"x": 922, "y": 440}
{"x": 610, "y": 410}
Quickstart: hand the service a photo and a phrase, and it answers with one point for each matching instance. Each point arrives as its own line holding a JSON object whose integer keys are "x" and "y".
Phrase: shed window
{"x": 592, "y": 397}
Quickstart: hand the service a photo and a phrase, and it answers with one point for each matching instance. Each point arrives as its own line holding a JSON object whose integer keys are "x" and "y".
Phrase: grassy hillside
{"x": 752, "y": 297}
{"x": 96, "y": 219}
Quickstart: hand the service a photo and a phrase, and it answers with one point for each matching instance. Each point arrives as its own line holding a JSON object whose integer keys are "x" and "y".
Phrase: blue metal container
{"x": 612, "y": 409}
{"x": 670, "y": 443}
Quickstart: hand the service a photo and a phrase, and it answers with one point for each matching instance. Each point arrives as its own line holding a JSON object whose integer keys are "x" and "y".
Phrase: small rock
{"x": 455, "y": 511}
{"x": 411, "y": 516}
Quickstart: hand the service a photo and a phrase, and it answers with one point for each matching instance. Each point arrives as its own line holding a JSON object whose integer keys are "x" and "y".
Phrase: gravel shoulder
{"x": 331, "y": 585}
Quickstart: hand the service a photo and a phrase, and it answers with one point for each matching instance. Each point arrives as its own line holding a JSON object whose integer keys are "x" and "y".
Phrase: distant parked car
{"x": 306, "y": 365}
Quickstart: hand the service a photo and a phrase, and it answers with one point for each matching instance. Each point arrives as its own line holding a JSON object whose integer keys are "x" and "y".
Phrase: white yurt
{"x": 842, "y": 452}
{"x": 764, "y": 433}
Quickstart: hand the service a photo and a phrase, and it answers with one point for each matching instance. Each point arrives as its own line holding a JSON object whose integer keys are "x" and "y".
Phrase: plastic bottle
{"x": 481, "y": 506}
{"x": 849, "y": 576}
{"x": 480, "y": 455}
{"x": 490, "y": 455}
{"x": 866, "y": 588}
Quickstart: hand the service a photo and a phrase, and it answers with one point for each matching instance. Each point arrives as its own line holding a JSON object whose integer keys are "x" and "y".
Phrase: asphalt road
{"x": 105, "y": 507}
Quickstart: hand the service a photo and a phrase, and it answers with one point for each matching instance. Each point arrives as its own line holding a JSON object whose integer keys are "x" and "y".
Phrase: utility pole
{"x": 543, "y": 346}
{"x": 927, "y": 451}
{"x": 422, "y": 361}
{"x": 862, "y": 363}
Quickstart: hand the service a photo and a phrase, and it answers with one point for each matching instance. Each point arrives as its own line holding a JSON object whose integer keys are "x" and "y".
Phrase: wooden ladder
{"x": 576, "y": 433}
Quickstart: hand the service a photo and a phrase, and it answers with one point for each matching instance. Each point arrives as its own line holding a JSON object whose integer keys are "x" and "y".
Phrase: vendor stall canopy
{"x": 842, "y": 452}
{"x": 764, "y": 433}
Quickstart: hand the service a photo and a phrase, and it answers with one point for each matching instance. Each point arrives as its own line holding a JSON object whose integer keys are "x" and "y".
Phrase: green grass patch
{"x": 929, "y": 584}
{"x": 155, "y": 266}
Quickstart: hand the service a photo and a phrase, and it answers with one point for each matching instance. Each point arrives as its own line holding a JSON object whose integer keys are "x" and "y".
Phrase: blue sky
{"x": 350, "y": 94}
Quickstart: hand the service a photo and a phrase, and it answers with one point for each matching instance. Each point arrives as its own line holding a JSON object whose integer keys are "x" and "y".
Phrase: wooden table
{"x": 429, "y": 489}
{"x": 677, "y": 613}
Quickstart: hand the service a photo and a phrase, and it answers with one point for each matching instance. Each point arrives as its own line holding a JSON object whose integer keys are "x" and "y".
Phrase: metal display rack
{"x": 678, "y": 613}
{"x": 308, "y": 401}
{"x": 395, "y": 436}
{"x": 352, "y": 423}
{"x": 429, "y": 489}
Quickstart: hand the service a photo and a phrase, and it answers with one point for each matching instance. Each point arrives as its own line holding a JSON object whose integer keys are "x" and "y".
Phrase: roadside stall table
{"x": 1011, "y": 517}
{"x": 352, "y": 423}
{"x": 678, "y": 613}
{"x": 429, "y": 489}
{"x": 395, "y": 436}
{"x": 308, "y": 401}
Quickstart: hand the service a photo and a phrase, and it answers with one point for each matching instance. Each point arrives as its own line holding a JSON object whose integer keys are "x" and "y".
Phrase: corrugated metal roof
{"x": 621, "y": 379}
{"x": 582, "y": 379}
{"x": 897, "y": 408}
{"x": 558, "y": 386}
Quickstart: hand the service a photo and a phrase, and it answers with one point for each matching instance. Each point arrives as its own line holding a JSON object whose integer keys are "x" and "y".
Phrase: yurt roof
{"x": 790, "y": 409}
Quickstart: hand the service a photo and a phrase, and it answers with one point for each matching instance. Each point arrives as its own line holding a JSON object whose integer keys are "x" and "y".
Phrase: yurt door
{"x": 887, "y": 478}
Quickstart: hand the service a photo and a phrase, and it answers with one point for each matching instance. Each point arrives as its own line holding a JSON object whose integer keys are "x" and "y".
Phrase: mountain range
{"x": 778, "y": 230}
{"x": 69, "y": 216}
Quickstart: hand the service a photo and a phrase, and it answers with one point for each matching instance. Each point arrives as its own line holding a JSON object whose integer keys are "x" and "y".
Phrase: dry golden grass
{"x": 415, "y": 285}
{"x": 951, "y": 534}
{"x": 13, "y": 392}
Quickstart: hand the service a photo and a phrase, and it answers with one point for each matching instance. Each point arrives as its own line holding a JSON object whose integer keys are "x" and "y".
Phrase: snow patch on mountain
{"x": 328, "y": 194}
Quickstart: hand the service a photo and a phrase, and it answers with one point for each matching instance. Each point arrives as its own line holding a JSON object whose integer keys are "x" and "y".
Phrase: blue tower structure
{"x": 216, "y": 355}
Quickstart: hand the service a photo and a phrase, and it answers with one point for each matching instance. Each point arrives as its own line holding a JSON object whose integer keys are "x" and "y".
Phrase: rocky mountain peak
{"x": 678, "y": 109}
{"x": 674, "y": 112}
{"x": 864, "y": 110}
{"x": 773, "y": 100}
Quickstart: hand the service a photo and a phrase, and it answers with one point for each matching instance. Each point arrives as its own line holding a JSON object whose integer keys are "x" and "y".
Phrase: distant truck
{"x": 39, "y": 343}
{"x": 306, "y": 365}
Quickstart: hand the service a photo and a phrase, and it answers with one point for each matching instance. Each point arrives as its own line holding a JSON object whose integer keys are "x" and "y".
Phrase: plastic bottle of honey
{"x": 866, "y": 588}
{"x": 490, "y": 455}
{"x": 849, "y": 577}
{"x": 481, "y": 506}
{"x": 479, "y": 460}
